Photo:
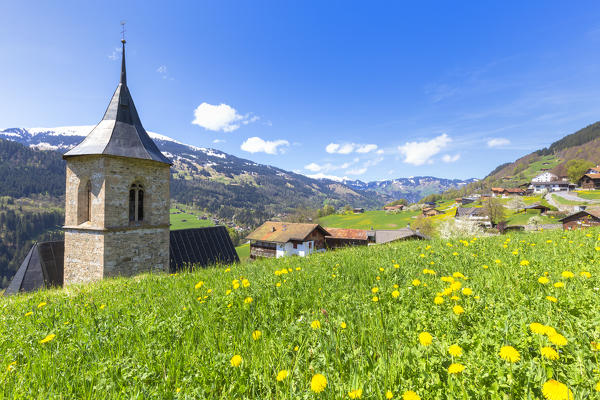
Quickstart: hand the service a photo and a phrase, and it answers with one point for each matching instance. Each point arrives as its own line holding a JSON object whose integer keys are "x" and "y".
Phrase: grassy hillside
{"x": 182, "y": 220}
{"x": 368, "y": 219}
{"x": 355, "y": 316}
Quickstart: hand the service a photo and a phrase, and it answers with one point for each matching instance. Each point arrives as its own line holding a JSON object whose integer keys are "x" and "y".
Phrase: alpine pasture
{"x": 500, "y": 317}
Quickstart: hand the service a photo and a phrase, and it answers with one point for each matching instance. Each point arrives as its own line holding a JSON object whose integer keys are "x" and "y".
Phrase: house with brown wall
{"x": 581, "y": 220}
{"x": 279, "y": 239}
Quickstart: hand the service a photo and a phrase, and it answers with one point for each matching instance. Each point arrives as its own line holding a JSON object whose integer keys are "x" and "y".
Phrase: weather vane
{"x": 123, "y": 31}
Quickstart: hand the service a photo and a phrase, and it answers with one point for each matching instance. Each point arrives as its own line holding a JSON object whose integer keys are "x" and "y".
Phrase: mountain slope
{"x": 226, "y": 186}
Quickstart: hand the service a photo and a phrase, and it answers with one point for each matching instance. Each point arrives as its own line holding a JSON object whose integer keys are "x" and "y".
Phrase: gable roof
{"x": 592, "y": 176}
{"x": 386, "y": 236}
{"x": 594, "y": 213}
{"x": 120, "y": 133}
{"x": 469, "y": 211}
{"x": 201, "y": 247}
{"x": 341, "y": 233}
{"x": 283, "y": 232}
{"x": 42, "y": 267}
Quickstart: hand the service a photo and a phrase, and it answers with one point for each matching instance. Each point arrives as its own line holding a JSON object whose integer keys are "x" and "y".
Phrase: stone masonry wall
{"x": 109, "y": 244}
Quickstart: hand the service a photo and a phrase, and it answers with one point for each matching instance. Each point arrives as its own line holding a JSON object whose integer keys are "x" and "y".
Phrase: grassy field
{"x": 430, "y": 317}
{"x": 377, "y": 219}
{"x": 180, "y": 220}
{"x": 243, "y": 252}
{"x": 589, "y": 195}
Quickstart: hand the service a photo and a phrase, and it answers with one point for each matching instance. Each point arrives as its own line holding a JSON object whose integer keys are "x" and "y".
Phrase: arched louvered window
{"x": 136, "y": 202}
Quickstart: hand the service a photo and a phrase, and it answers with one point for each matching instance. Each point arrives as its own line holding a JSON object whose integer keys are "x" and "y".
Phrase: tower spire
{"x": 123, "y": 41}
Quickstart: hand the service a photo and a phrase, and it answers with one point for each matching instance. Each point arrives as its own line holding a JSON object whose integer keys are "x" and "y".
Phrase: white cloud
{"x": 219, "y": 141}
{"x": 419, "y": 153}
{"x": 163, "y": 72}
{"x": 347, "y": 148}
{"x": 258, "y": 145}
{"x": 380, "y": 151}
{"x": 220, "y": 118}
{"x": 115, "y": 54}
{"x": 448, "y": 158}
{"x": 366, "y": 148}
{"x": 498, "y": 142}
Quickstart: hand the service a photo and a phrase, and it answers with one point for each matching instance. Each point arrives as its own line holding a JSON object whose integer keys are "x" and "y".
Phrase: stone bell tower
{"x": 117, "y": 197}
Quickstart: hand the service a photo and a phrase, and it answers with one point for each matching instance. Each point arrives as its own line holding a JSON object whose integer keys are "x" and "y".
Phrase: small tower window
{"x": 136, "y": 202}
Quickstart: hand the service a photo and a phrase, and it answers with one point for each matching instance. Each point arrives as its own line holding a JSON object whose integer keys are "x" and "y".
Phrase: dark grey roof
{"x": 386, "y": 236}
{"x": 43, "y": 267}
{"x": 469, "y": 211}
{"x": 201, "y": 247}
{"x": 120, "y": 133}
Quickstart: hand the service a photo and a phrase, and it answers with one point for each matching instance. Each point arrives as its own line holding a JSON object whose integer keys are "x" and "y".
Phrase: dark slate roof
{"x": 43, "y": 267}
{"x": 469, "y": 211}
{"x": 201, "y": 247}
{"x": 120, "y": 133}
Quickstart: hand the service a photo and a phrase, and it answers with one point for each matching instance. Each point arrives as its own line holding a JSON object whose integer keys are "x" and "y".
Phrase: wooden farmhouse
{"x": 581, "y": 220}
{"x": 430, "y": 212}
{"x": 590, "y": 181}
{"x": 476, "y": 214}
{"x": 279, "y": 239}
{"x": 398, "y": 207}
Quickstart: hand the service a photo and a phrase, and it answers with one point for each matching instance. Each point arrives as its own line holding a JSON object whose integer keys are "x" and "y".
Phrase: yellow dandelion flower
{"x": 177, "y": 390}
{"x": 227, "y": 269}
{"x": 235, "y": 284}
{"x": 278, "y": 284}
{"x": 455, "y": 368}
{"x": 438, "y": 300}
{"x": 102, "y": 306}
{"x": 425, "y": 338}
{"x": 27, "y": 314}
{"x": 410, "y": 395}
{"x": 395, "y": 294}
{"x": 455, "y": 350}
{"x": 549, "y": 353}
{"x": 549, "y": 331}
{"x": 510, "y": 354}
{"x": 552, "y": 299}
{"x": 538, "y": 328}
{"x": 455, "y": 286}
{"x": 554, "y": 390}
{"x": 598, "y": 387}
{"x": 497, "y": 261}
{"x": 318, "y": 383}
{"x": 198, "y": 285}
{"x": 343, "y": 325}
{"x": 446, "y": 292}
{"x": 375, "y": 299}
{"x": 467, "y": 292}
{"x": 48, "y": 338}
{"x": 42, "y": 304}
{"x": 11, "y": 366}
{"x": 315, "y": 324}
{"x": 227, "y": 292}
{"x": 447, "y": 279}
{"x": 485, "y": 267}
{"x": 256, "y": 335}
{"x": 455, "y": 298}
{"x": 389, "y": 395}
{"x": 396, "y": 266}
{"x": 248, "y": 300}
{"x": 458, "y": 310}
{"x": 236, "y": 361}
{"x": 559, "y": 284}
{"x": 567, "y": 274}
{"x": 375, "y": 290}
{"x": 281, "y": 375}
{"x": 524, "y": 263}
{"x": 458, "y": 275}
{"x": 245, "y": 282}
{"x": 558, "y": 339}
{"x": 355, "y": 394}
{"x": 416, "y": 282}
{"x": 585, "y": 274}
{"x": 296, "y": 348}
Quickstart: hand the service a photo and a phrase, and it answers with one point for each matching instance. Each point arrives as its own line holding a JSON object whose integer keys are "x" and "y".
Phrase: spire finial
{"x": 123, "y": 41}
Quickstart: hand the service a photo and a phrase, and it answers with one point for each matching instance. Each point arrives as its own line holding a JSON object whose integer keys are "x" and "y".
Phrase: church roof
{"x": 120, "y": 133}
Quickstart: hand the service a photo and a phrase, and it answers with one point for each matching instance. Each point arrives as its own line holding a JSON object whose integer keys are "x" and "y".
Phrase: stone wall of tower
{"x": 109, "y": 244}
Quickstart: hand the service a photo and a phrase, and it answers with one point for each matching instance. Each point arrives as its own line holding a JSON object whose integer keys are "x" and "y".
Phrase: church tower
{"x": 117, "y": 197}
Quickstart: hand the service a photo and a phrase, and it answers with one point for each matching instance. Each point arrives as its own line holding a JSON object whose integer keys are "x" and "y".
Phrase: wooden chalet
{"x": 498, "y": 191}
{"x": 398, "y": 207}
{"x": 279, "y": 239}
{"x": 581, "y": 219}
{"x": 358, "y": 210}
{"x": 430, "y": 212}
{"x": 339, "y": 237}
{"x": 381, "y": 236}
{"x": 543, "y": 209}
{"x": 476, "y": 214}
{"x": 589, "y": 181}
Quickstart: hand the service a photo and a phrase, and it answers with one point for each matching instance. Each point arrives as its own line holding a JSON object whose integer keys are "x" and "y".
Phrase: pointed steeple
{"x": 120, "y": 133}
{"x": 123, "y": 73}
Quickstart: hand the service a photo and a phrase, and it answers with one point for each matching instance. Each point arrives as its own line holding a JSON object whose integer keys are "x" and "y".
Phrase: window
{"x": 136, "y": 202}
{"x": 295, "y": 245}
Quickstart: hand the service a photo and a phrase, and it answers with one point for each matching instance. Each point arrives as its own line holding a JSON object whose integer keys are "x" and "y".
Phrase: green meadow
{"x": 182, "y": 220}
{"x": 377, "y": 219}
{"x": 430, "y": 319}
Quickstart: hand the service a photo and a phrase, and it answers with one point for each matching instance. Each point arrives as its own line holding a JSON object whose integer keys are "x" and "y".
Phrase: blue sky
{"x": 365, "y": 90}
